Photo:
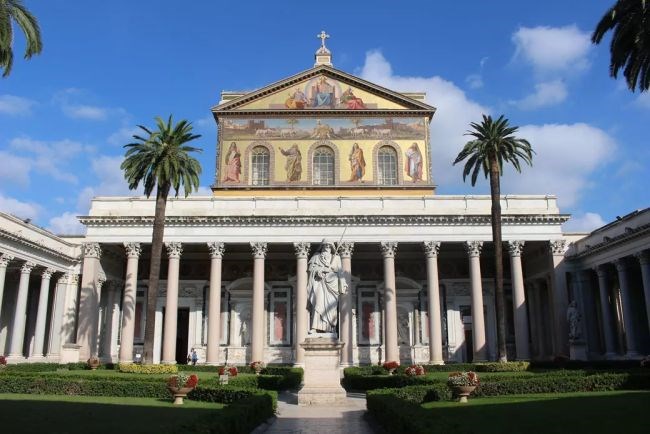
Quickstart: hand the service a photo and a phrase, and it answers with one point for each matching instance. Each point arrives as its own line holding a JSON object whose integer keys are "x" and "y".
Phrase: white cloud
{"x": 452, "y": 119}
{"x": 202, "y": 191}
{"x": 123, "y": 136}
{"x": 643, "y": 100}
{"x": 85, "y": 112}
{"x": 66, "y": 224}
{"x": 546, "y": 94}
{"x": 24, "y": 210}
{"x": 15, "y": 169}
{"x": 111, "y": 181}
{"x": 15, "y": 105}
{"x": 474, "y": 81}
{"x": 550, "y": 49}
{"x": 586, "y": 222}
{"x": 49, "y": 158}
{"x": 566, "y": 155}
{"x": 207, "y": 121}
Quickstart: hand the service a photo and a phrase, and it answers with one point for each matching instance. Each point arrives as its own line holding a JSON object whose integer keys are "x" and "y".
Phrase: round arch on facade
{"x": 310, "y": 160}
{"x": 399, "y": 161}
{"x": 247, "y": 178}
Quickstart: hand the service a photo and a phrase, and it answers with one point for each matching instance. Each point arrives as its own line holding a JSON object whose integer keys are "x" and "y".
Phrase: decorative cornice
{"x": 5, "y": 259}
{"x": 341, "y": 221}
{"x": 174, "y": 249}
{"x": 346, "y": 248}
{"x": 431, "y": 248}
{"x": 610, "y": 242}
{"x": 133, "y": 250}
{"x": 473, "y": 248}
{"x": 643, "y": 257}
{"x": 27, "y": 267}
{"x": 558, "y": 247}
{"x": 47, "y": 273}
{"x": 515, "y": 247}
{"x": 302, "y": 249}
{"x": 388, "y": 249}
{"x": 92, "y": 250}
{"x": 259, "y": 250}
{"x": 217, "y": 248}
{"x": 17, "y": 238}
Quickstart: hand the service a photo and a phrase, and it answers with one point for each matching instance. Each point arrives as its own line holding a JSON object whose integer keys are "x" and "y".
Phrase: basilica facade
{"x": 322, "y": 155}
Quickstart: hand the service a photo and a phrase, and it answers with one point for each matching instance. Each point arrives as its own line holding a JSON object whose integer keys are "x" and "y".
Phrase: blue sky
{"x": 108, "y": 66}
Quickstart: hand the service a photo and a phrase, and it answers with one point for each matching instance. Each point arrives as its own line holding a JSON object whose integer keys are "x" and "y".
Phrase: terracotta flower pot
{"x": 179, "y": 393}
{"x": 462, "y": 392}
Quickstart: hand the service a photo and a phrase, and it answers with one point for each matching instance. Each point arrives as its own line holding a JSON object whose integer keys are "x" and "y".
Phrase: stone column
{"x": 479, "y": 346}
{"x": 88, "y": 324}
{"x": 41, "y": 314}
{"x": 388, "y": 249}
{"x": 257, "y": 334}
{"x": 606, "y": 311}
{"x": 302, "y": 314}
{"x": 20, "y": 315}
{"x": 345, "y": 327}
{"x": 628, "y": 315}
{"x": 519, "y": 301}
{"x": 4, "y": 262}
{"x": 69, "y": 326}
{"x": 560, "y": 297}
{"x": 111, "y": 292}
{"x": 431, "y": 249}
{"x": 644, "y": 261}
{"x": 56, "y": 321}
{"x": 174, "y": 251}
{"x": 214, "y": 307}
{"x": 133, "y": 251}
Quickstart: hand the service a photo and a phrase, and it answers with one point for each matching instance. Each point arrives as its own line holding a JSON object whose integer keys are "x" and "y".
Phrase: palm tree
{"x": 494, "y": 145}
{"x": 160, "y": 160}
{"x": 14, "y": 10}
{"x": 630, "y": 48}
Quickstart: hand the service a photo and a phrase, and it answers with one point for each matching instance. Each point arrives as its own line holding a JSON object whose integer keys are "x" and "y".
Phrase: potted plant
{"x": 415, "y": 370}
{"x": 93, "y": 363}
{"x": 180, "y": 385}
{"x": 257, "y": 367}
{"x": 390, "y": 366}
{"x": 462, "y": 384}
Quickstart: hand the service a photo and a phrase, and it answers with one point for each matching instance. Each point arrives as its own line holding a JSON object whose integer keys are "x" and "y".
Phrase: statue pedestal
{"x": 322, "y": 381}
{"x": 577, "y": 350}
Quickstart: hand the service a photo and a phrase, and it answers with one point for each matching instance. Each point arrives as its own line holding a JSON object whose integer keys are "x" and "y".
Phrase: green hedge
{"x": 135, "y": 368}
{"x": 53, "y": 367}
{"x": 240, "y": 417}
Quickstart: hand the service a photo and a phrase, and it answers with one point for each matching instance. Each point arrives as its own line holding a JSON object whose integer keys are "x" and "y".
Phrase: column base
{"x": 436, "y": 362}
{"x": 633, "y": 355}
{"x": 610, "y": 356}
{"x": 168, "y": 362}
{"x": 16, "y": 358}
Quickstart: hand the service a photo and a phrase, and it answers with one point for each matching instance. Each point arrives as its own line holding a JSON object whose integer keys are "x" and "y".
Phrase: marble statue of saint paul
{"x": 326, "y": 283}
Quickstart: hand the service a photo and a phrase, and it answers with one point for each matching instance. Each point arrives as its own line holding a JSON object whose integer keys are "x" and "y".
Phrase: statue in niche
{"x": 326, "y": 282}
{"x": 244, "y": 328}
{"x": 403, "y": 329}
{"x": 293, "y": 165}
{"x": 574, "y": 319}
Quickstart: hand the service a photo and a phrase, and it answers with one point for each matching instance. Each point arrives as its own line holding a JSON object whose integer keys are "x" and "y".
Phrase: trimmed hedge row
{"x": 53, "y": 367}
{"x": 134, "y": 368}
{"x": 399, "y": 410}
{"x": 240, "y": 417}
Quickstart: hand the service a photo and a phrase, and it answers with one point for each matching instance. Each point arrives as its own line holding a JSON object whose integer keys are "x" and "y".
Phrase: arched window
{"x": 323, "y": 166}
{"x": 386, "y": 166}
{"x": 260, "y": 160}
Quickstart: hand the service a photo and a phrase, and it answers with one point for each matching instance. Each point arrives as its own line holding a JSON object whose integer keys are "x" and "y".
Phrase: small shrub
{"x": 134, "y": 368}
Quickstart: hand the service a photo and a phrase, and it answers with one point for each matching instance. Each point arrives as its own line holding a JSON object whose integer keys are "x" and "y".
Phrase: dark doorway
{"x": 182, "y": 329}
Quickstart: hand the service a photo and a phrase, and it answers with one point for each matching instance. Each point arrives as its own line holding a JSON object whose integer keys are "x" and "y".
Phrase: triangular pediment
{"x": 323, "y": 89}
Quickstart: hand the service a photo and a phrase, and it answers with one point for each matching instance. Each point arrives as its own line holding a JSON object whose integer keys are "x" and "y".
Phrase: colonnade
{"x": 302, "y": 252}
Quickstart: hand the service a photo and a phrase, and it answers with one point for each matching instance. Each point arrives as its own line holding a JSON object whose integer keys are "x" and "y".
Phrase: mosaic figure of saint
{"x": 323, "y": 93}
{"x": 322, "y": 131}
{"x": 293, "y": 165}
{"x": 326, "y": 282}
{"x": 296, "y": 100}
{"x": 233, "y": 164}
{"x": 414, "y": 162}
{"x": 351, "y": 101}
{"x": 357, "y": 163}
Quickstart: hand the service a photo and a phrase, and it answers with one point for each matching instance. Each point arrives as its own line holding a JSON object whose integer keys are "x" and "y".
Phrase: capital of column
{"x": 92, "y": 250}
{"x": 601, "y": 270}
{"x": 217, "y": 248}
{"x": 47, "y": 273}
{"x": 100, "y": 282}
{"x": 431, "y": 248}
{"x": 388, "y": 249}
{"x": 643, "y": 257}
{"x": 27, "y": 267}
{"x": 5, "y": 259}
{"x": 558, "y": 247}
{"x": 174, "y": 249}
{"x": 133, "y": 250}
{"x": 473, "y": 248}
{"x": 302, "y": 249}
{"x": 346, "y": 248}
{"x": 515, "y": 247}
{"x": 72, "y": 278}
{"x": 621, "y": 264}
{"x": 259, "y": 250}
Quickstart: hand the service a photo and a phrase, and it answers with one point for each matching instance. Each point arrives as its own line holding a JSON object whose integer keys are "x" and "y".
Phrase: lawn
{"x": 97, "y": 414}
{"x": 583, "y": 412}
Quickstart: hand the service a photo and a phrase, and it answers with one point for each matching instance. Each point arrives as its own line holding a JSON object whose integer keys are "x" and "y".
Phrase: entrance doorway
{"x": 182, "y": 330}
